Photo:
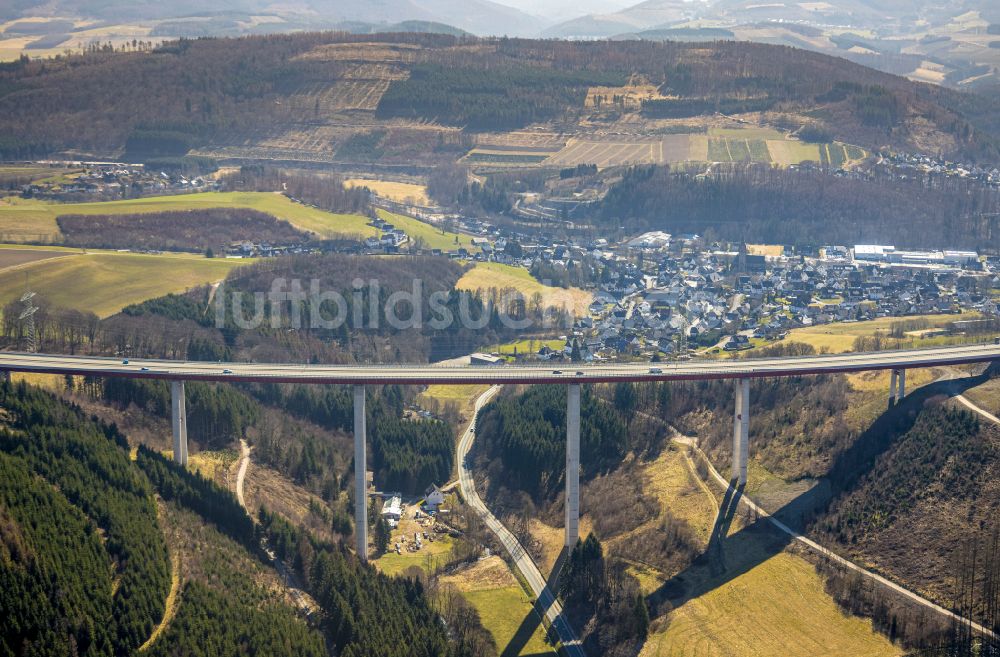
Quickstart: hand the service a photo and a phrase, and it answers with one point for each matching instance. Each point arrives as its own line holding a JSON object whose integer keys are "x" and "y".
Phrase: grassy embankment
{"x": 463, "y": 395}
{"x": 778, "y": 606}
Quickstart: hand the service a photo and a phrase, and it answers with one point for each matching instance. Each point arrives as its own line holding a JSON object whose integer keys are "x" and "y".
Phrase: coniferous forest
{"x": 88, "y": 464}
{"x": 84, "y": 563}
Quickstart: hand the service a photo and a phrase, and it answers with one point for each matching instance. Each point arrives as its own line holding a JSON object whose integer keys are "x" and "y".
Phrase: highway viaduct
{"x": 572, "y": 375}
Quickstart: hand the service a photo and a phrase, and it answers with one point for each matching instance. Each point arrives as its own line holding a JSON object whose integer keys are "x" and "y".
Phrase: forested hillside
{"x": 192, "y": 230}
{"x": 925, "y": 511}
{"x": 85, "y": 569}
{"x": 83, "y": 555}
{"x": 217, "y": 91}
{"x": 89, "y": 465}
{"x": 526, "y": 433}
{"x": 770, "y": 205}
{"x": 54, "y": 583}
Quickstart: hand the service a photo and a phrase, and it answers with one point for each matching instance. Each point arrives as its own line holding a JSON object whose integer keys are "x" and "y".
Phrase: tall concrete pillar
{"x": 902, "y": 386}
{"x": 741, "y": 432}
{"x": 360, "y": 480}
{"x": 893, "y": 378}
{"x": 178, "y": 420}
{"x": 572, "y": 465}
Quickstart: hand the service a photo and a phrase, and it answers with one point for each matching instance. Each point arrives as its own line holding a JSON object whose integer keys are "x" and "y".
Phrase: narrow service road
{"x": 522, "y": 560}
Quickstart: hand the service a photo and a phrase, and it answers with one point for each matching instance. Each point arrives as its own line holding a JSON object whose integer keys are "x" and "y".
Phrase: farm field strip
{"x": 396, "y": 191}
{"x": 104, "y": 283}
{"x": 11, "y": 259}
{"x": 763, "y": 145}
{"x": 33, "y": 220}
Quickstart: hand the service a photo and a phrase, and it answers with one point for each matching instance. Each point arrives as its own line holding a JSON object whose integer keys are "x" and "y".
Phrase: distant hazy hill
{"x": 857, "y": 13}
{"x": 938, "y": 42}
{"x": 656, "y": 14}
{"x": 643, "y": 16}
{"x": 477, "y": 16}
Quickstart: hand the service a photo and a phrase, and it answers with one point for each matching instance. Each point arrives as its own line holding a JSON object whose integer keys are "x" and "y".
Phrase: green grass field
{"x": 758, "y": 150}
{"x": 986, "y": 396}
{"x": 718, "y": 151}
{"x": 504, "y": 607}
{"x": 464, "y": 395}
{"x": 104, "y": 283}
{"x": 778, "y": 608}
{"x": 502, "y": 612}
{"x": 461, "y": 393}
{"x": 739, "y": 150}
{"x": 528, "y": 346}
{"x": 39, "y": 174}
{"x": 433, "y": 237}
{"x": 839, "y": 337}
{"x": 28, "y": 220}
{"x": 786, "y": 152}
{"x": 486, "y": 275}
{"x": 746, "y": 133}
{"x": 428, "y": 557}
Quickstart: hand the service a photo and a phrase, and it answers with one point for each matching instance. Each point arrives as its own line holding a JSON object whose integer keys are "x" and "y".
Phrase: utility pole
{"x": 28, "y": 314}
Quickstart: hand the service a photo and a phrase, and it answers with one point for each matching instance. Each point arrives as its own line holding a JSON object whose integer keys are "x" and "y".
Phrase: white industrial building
{"x": 652, "y": 240}
{"x": 892, "y": 255}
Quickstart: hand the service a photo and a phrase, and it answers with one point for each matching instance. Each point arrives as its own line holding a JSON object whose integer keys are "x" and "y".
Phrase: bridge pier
{"x": 741, "y": 432}
{"x": 178, "y": 421}
{"x": 360, "y": 472}
{"x": 897, "y": 387}
{"x": 572, "y": 465}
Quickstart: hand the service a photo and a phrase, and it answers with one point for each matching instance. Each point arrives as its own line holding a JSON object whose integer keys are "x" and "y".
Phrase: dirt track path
{"x": 241, "y": 475}
{"x": 302, "y": 599}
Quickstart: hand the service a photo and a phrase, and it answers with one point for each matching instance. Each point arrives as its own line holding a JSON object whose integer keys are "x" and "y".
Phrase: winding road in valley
{"x": 545, "y": 597}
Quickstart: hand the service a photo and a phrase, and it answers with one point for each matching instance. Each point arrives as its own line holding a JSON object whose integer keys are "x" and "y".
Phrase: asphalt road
{"x": 522, "y": 561}
{"x": 498, "y": 374}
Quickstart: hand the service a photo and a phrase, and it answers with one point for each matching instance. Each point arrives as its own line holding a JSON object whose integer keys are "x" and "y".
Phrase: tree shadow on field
{"x": 728, "y": 556}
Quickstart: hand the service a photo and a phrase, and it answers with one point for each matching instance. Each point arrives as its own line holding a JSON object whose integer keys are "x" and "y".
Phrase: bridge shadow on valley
{"x": 728, "y": 556}
{"x": 531, "y": 622}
